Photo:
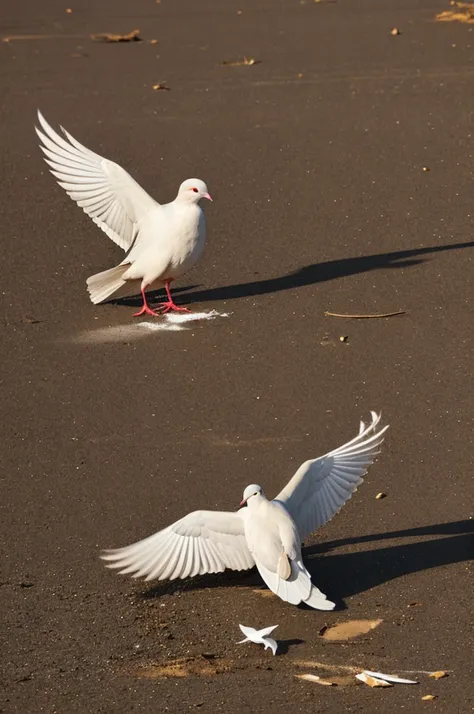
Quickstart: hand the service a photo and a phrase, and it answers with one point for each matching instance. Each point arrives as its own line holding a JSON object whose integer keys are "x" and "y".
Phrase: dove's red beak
{"x": 243, "y": 503}
{"x": 207, "y": 195}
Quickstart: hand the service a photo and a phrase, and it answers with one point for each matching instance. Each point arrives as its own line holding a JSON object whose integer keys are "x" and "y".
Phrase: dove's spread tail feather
{"x": 110, "y": 284}
{"x": 318, "y": 600}
{"x": 296, "y": 588}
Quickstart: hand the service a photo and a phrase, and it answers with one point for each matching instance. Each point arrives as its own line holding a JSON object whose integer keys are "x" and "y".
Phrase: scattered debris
{"x": 365, "y": 317}
{"x": 438, "y": 675}
{"x": 157, "y": 87}
{"x": 264, "y": 593}
{"x": 348, "y": 630}
{"x": 31, "y": 321}
{"x": 395, "y": 31}
{"x": 428, "y": 698}
{"x": 345, "y": 680}
{"x": 389, "y": 677}
{"x": 372, "y": 681}
{"x": 326, "y": 666}
{"x": 133, "y": 36}
{"x": 11, "y": 38}
{"x": 425, "y": 168}
{"x": 198, "y": 666}
{"x": 315, "y": 678}
{"x": 463, "y": 13}
{"x": 246, "y": 62}
{"x": 259, "y": 637}
{"x": 345, "y": 675}
{"x": 343, "y": 338}
{"x": 380, "y": 495}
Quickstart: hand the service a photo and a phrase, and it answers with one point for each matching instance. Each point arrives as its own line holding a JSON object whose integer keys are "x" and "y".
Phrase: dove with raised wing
{"x": 162, "y": 241}
{"x": 264, "y": 533}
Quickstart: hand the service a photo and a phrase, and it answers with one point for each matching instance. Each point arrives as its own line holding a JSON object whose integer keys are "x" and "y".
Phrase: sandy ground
{"x": 315, "y": 158}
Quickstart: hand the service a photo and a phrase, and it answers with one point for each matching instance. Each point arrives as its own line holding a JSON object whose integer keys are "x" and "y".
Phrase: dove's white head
{"x": 251, "y": 491}
{"x": 192, "y": 190}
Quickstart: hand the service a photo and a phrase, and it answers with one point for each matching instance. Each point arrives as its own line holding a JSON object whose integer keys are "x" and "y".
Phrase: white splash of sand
{"x": 174, "y": 322}
{"x": 178, "y": 318}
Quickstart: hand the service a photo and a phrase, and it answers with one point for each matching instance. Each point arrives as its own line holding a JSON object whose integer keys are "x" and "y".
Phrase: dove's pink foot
{"x": 146, "y": 310}
{"x": 170, "y": 304}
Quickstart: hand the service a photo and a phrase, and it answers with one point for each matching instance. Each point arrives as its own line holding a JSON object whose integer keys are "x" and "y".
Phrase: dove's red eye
{"x": 195, "y": 190}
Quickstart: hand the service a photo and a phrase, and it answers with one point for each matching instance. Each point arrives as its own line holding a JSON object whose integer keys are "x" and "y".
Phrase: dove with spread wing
{"x": 162, "y": 241}
{"x": 263, "y": 533}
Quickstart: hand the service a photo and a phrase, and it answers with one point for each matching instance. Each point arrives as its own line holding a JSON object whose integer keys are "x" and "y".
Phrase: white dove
{"x": 265, "y": 533}
{"x": 259, "y": 637}
{"x": 163, "y": 241}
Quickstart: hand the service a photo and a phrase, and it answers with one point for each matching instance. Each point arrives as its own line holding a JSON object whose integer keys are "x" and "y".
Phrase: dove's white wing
{"x": 102, "y": 188}
{"x": 267, "y": 631}
{"x": 248, "y": 632}
{"x": 201, "y": 542}
{"x": 320, "y": 487}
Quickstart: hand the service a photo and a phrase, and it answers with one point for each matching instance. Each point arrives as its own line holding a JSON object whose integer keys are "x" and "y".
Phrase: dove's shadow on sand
{"x": 308, "y": 275}
{"x": 153, "y": 296}
{"x": 346, "y": 574}
{"x": 285, "y": 645}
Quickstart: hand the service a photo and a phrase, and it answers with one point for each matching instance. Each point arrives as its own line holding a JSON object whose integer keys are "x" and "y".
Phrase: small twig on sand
{"x": 366, "y": 317}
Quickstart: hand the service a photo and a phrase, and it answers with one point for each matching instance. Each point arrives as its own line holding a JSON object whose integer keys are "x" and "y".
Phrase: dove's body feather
{"x": 169, "y": 243}
{"x": 270, "y": 532}
{"x": 266, "y": 533}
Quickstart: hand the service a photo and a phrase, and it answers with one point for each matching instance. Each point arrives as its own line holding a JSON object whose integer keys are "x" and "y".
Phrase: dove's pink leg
{"x": 145, "y": 309}
{"x": 170, "y": 305}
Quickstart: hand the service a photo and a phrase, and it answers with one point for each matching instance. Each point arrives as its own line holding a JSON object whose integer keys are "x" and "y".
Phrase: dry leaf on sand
{"x": 245, "y": 62}
{"x": 133, "y": 36}
{"x": 438, "y": 675}
{"x": 464, "y": 13}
